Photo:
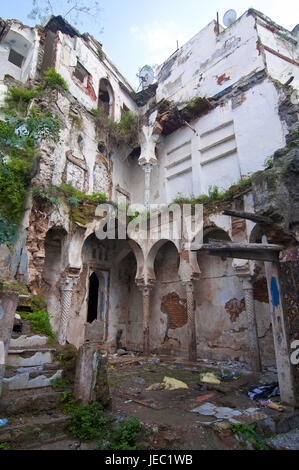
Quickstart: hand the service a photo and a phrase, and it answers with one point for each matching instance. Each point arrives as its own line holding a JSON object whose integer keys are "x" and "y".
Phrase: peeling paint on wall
{"x": 234, "y": 308}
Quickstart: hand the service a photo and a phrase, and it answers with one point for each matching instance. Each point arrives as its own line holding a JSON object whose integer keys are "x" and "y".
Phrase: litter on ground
{"x": 210, "y": 378}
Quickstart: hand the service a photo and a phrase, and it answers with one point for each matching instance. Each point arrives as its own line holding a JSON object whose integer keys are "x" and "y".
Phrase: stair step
{"x": 27, "y": 357}
{"x": 46, "y": 368}
{"x": 30, "y": 380}
{"x": 20, "y": 432}
{"x": 29, "y": 401}
{"x": 28, "y": 341}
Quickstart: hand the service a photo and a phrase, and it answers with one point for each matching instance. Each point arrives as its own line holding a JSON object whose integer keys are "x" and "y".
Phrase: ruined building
{"x": 222, "y": 105}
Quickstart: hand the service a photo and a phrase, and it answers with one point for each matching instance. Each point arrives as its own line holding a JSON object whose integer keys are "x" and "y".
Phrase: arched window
{"x": 106, "y": 98}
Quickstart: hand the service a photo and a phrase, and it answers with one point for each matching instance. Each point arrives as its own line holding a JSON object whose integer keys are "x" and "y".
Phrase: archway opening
{"x": 106, "y": 98}
{"x": 93, "y": 298}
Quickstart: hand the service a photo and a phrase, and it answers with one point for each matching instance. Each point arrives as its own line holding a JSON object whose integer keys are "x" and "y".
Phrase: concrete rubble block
{"x": 91, "y": 380}
{"x": 24, "y": 381}
{"x": 28, "y": 341}
{"x": 27, "y": 358}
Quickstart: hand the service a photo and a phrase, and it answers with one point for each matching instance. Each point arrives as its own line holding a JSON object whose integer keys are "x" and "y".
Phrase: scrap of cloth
{"x": 266, "y": 391}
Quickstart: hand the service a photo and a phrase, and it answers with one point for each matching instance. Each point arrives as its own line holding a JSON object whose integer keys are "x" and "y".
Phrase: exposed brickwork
{"x": 234, "y": 308}
{"x": 238, "y": 225}
{"x": 261, "y": 290}
{"x": 35, "y": 242}
{"x": 176, "y": 309}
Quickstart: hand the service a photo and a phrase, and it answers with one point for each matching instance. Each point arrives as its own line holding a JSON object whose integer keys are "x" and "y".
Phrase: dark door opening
{"x": 93, "y": 298}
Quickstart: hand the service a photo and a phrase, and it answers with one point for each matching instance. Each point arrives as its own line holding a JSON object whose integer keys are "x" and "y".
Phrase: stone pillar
{"x": 192, "y": 349}
{"x": 91, "y": 381}
{"x": 8, "y": 305}
{"x": 146, "y": 292}
{"x": 67, "y": 285}
{"x": 281, "y": 339}
{"x": 252, "y": 326}
{"x": 147, "y": 168}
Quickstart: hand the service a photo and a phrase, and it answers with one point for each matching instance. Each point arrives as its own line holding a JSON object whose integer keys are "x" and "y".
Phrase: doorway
{"x": 93, "y": 298}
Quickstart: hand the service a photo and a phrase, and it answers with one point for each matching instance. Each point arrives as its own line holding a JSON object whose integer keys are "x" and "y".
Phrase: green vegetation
{"x": 101, "y": 53}
{"x": 123, "y": 132}
{"x": 88, "y": 422}
{"x": 60, "y": 383}
{"x": 18, "y": 98}
{"x": 20, "y": 137}
{"x": 75, "y": 197}
{"x": 215, "y": 194}
{"x": 82, "y": 206}
{"x": 247, "y": 433}
{"x": 194, "y": 102}
{"x": 39, "y": 318}
{"x": 54, "y": 80}
{"x": 126, "y": 434}
{"x": 269, "y": 162}
{"x": 49, "y": 195}
{"x": 4, "y": 446}
{"x": 68, "y": 403}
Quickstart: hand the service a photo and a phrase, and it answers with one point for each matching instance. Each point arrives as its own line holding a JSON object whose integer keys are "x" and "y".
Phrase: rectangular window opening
{"x": 81, "y": 73}
{"x": 16, "y": 58}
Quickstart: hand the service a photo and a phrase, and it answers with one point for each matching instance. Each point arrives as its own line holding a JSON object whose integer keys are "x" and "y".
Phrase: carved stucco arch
{"x": 149, "y": 271}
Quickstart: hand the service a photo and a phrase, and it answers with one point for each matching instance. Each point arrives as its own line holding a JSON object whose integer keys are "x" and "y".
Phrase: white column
{"x": 191, "y": 321}
{"x": 252, "y": 326}
{"x": 67, "y": 285}
{"x": 147, "y": 168}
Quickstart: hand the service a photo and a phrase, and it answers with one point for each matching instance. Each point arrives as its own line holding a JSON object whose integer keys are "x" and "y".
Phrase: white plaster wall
{"x": 279, "y": 68}
{"x": 69, "y": 51}
{"x": 206, "y": 57}
{"x": 259, "y": 130}
{"x": 17, "y": 37}
{"x": 258, "y": 133}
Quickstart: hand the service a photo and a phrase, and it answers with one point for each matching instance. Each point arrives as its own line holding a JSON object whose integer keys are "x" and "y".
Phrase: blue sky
{"x": 139, "y": 32}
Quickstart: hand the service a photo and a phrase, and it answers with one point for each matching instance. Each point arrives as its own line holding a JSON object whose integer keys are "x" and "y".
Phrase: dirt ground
{"x": 167, "y": 415}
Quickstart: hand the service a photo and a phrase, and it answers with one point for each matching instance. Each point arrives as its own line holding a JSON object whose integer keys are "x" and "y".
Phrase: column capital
{"x": 67, "y": 283}
{"x": 189, "y": 285}
{"x": 145, "y": 289}
{"x": 247, "y": 281}
{"x": 147, "y": 167}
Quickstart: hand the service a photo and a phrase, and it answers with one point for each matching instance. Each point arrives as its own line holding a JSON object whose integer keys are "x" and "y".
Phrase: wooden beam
{"x": 253, "y": 251}
{"x": 219, "y": 245}
{"x": 249, "y": 216}
{"x": 271, "y": 256}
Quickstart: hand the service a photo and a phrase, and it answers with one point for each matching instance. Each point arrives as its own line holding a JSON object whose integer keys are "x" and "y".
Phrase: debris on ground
{"x": 234, "y": 375}
{"x": 275, "y": 406}
{"x": 247, "y": 416}
{"x": 267, "y": 391}
{"x": 206, "y": 397}
{"x": 168, "y": 384}
{"x": 3, "y": 422}
{"x": 121, "y": 352}
{"x": 210, "y": 378}
{"x": 287, "y": 441}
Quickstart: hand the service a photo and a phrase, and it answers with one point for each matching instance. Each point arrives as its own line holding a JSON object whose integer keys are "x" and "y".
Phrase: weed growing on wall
{"x": 39, "y": 318}
{"x": 54, "y": 80}
{"x": 215, "y": 194}
{"x": 20, "y": 137}
{"x": 123, "y": 132}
